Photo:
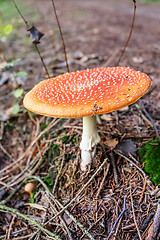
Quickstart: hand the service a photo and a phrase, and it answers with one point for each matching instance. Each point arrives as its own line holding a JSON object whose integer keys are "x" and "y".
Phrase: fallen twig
{"x": 145, "y": 224}
{"x": 22, "y": 183}
{"x": 143, "y": 116}
{"x": 116, "y": 222}
{"x": 150, "y": 118}
{"x": 103, "y": 180}
{"x": 66, "y": 211}
{"x": 52, "y": 123}
{"x": 83, "y": 188}
{"x": 108, "y": 62}
{"x": 134, "y": 217}
{"x": 130, "y": 33}
{"x": 114, "y": 167}
{"x": 10, "y": 227}
{"x": 34, "y": 43}
{"x": 60, "y": 170}
{"x": 129, "y": 160}
{"x": 144, "y": 187}
{"x": 14, "y": 211}
{"x": 93, "y": 225}
{"x": 5, "y": 151}
{"x": 84, "y": 230}
{"x": 61, "y": 219}
{"x": 61, "y": 34}
{"x": 13, "y": 193}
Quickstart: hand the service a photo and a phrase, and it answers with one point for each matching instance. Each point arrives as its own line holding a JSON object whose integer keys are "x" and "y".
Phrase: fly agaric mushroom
{"x": 85, "y": 94}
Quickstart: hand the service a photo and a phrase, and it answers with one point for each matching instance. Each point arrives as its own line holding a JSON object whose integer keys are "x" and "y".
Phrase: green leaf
{"x": 18, "y": 93}
{"x": 7, "y": 29}
{"x": 11, "y": 63}
{"x": 16, "y": 109}
{"x": 32, "y": 198}
{"x": 64, "y": 139}
{"x": 21, "y": 74}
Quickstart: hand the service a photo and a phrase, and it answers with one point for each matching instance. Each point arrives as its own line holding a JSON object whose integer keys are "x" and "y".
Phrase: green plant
{"x": 54, "y": 152}
{"x": 10, "y": 64}
{"x": 5, "y": 30}
{"x": 64, "y": 139}
{"x": 17, "y": 94}
{"x": 49, "y": 181}
{"x": 16, "y": 109}
{"x": 150, "y": 156}
{"x": 32, "y": 197}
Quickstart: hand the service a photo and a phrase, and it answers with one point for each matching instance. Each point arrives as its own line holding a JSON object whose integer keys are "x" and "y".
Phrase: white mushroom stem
{"x": 90, "y": 138}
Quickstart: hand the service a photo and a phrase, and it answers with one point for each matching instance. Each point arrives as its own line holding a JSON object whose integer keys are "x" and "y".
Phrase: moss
{"x": 150, "y": 156}
{"x": 49, "y": 180}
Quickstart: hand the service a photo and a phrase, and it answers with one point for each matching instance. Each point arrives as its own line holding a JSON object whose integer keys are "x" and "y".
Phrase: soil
{"x": 95, "y": 33}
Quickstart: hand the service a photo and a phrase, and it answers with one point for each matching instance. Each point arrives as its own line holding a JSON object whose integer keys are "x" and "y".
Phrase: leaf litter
{"x": 45, "y": 150}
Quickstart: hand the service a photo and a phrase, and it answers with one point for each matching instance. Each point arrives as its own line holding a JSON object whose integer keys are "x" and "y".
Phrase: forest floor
{"x": 46, "y": 151}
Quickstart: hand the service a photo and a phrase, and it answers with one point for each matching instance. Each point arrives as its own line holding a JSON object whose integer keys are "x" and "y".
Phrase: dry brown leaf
{"x": 9, "y": 111}
{"x": 67, "y": 219}
{"x": 112, "y": 143}
{"x": 129, "y": 170}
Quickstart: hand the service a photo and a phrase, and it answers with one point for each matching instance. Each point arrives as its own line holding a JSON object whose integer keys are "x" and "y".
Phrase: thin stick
{"x": 150, "y": 118}
{"x": 143, "y": 190}
{"x": 114, "y": 167}
{"x": 59, "y": 172}
{"x": 5, "y": 151}
{"x": 3, "y": 55}
{"x": 52, "y": 123}
{"x": 12, "y": 194}
{"x": 143, "y": 116}
{"x": 130, "y": 33}
{"x": 61, "y": 219}
{"x": 108, "y": 62}
{"x": 116, "y": 222}
{"x": 20, "y": 14}
{"x": 93, "y": 225}
{"x": 134, "y": 217}
{"x": 10, "y": 227}
{"x": 21, "y": 176}
{"x": 44, "y": 65}
{"x": 60, "y": 30}
{"x": 84, "y": 230}
{"x": 83, "y": 188}
{"x": 21, "y": 183}
{"x": 66, "y": 211}
{"x": 23, "y": 237}
{"x": 103, "y": 180}
{"x": 26, "y": 23}
{"x": 14, "y": 211}
{"x": 129, "y": 160}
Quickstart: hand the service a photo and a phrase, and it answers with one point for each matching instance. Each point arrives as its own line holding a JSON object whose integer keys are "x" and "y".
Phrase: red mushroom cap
{"x": 87, "y": 92}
